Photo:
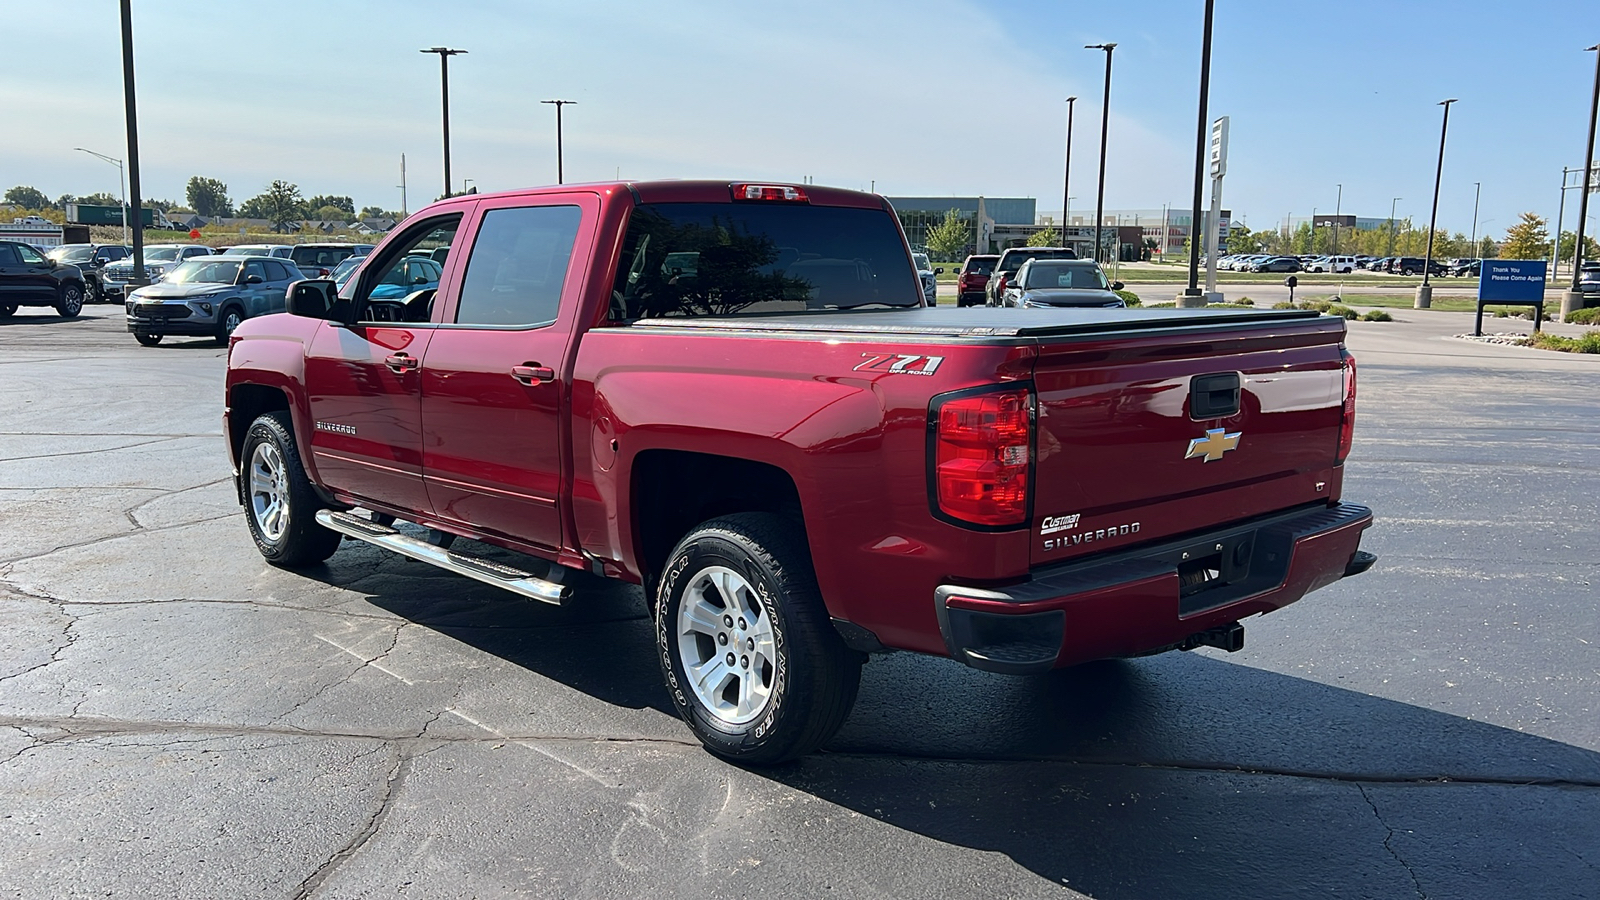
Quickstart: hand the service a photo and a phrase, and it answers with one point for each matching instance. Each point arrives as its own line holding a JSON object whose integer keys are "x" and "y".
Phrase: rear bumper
{"x": 1175, "y": 594}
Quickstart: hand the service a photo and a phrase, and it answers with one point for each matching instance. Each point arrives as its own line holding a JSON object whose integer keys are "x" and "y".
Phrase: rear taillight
{"x": 982, "y": 447}
{"x": 1347, "y": 427}
{"x": 770, "y": 192}
{"x": 999, "y": 284}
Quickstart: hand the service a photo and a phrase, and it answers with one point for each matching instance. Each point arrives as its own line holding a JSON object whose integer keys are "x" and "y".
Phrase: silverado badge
{"x": 1213, "y": 445}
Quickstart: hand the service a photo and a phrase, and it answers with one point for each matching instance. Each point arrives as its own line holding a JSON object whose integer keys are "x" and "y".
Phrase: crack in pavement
{"x": 67, "y": 632}
{"x": 1388, "y": 845}
{"x": 394, "y": 641}
{"x": 141, "y": 530}
{"x": 405, "y": 755}
{"x": 132, "y": 512}
{"x": 160, "y": 440}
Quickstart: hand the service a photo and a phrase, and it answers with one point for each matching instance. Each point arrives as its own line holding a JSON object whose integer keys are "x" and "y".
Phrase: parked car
{"x": 1011, "y": 260}
{"x": 1277, "y": 264}
{"x": 90, "y": 259}
{"x": 437, "y": 254}
{"x": 1413, "y": 265}
{"x": 1338, "y": 264}
{"x": 209, "y": 296}
{"x": 1589, "y": 284}
{"x": 1466, "y": 268}
{"x": 115, "y": 277}
{"x": 342, "y": 272}
{"x": 929, "y": 276}
{"x": 974, "y": 278}
{"x": 31, "y": 278}
{"x": 280, "y": 251}
{"x": 799, "y": 461}
{"x": 1055, "y": 283}
{"x": 411, "y": 274}
{"x": 319, "y": 260}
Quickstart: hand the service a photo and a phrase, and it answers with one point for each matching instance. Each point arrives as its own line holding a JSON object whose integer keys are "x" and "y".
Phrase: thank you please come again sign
{"x": 1511, "y": 279}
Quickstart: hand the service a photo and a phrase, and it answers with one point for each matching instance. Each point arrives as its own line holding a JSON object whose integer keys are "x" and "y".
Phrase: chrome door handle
{"x": 400, "y": 362}
{"x": 533, "y": 374}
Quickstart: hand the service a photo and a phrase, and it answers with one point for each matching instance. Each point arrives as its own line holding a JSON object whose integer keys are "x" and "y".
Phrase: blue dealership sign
{"x": 1511, "y": 279}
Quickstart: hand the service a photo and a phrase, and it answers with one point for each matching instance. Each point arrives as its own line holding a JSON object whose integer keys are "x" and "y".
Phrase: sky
{"x": 910, "y": 97}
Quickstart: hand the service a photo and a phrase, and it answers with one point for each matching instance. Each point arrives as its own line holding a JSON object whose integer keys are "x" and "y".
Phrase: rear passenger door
{"x": 495, "y": 377}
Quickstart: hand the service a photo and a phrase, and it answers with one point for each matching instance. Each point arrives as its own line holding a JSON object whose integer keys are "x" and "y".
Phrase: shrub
{"x": 1377, "y": 315}
{"x": 1336, "y": 309}
{"x": 1501, "y": 314}
{"x": 1590, "y": 316}
{"x": 1589, "y": 343}
{"x": 1284, "y": 304}
{"x": 1244, "y": 301}
{"x": 1130, "y": 298}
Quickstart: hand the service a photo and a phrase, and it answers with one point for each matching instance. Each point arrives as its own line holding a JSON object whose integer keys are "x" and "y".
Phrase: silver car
{"x": 158, "y": 258}
{"x": 209, "y": 297}
{"x": 929, "y": 276}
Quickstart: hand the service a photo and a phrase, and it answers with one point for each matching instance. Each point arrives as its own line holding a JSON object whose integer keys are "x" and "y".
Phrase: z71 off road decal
{"x": 900, "y": 363}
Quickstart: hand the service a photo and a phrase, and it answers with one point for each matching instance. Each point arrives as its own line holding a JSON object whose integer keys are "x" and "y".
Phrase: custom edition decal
{"x": 336, "y": 428}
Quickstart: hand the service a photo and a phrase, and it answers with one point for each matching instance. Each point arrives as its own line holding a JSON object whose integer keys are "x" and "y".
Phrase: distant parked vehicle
{"x": 974, "y": 278}
{"x": 90, "y": 259}
{"x": 1338, "y": 264}
{"x": 1413, "y": 265}
{"x": 280, "y": 251}
{"x": 1277, "y": 264}
{"x": 158, "y": 258}
{"x": 1011, "y": 260}
{"x": 319, "y": 260}
{"x": 929, "y": 276}
{"x": 209, "y": 296}
{"x": 1589, "y": 284}
{"x": 29, "y": 278}
{"x": 1465, "y": 268}
{"x": 1060, "y": 283}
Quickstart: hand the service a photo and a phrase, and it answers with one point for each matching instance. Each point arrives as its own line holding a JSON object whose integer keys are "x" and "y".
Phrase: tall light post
{"x": 1105, "y": 128}
{"x": 1191, "y": 295}
{"x": 1573, "y": 299}
{"x": 1425, "y": 290}
{"x": 444, "y": 93}
{"x": 560, "y": 174}
{"x": 122, "y": 181}
{"x": 132, "y": 119}
{"x": 1391, "y": 225}
{"x": 1066, "y": 180}
{"x": 1477, "y": 193}
{"x": 1338, "y": 205}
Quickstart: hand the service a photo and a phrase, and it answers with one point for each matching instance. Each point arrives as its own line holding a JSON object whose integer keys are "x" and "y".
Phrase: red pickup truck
{"x": 734, "y": 395}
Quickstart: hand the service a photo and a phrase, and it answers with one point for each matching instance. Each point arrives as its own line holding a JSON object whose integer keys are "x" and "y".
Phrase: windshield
{"x": 1083, "y": 276}
{"x": 71, "y": 254}
{"x": 346, "y": 269}
{"x": 921, "y": 259}
{"x": 161, "y": 254}
{"x": 720, "y": 259}
{"x": 204, "y": 271}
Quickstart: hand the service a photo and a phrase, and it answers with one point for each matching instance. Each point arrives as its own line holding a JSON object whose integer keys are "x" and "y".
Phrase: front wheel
{"x": 147, "y": 340}
{"x": 92, "y": 293}
{"x": 746, "y": 646}
{"x": 280, "y": 504}
{"x": 7, "y": 310}
{"x": 70, "y": 301}
{"x": 231, "y": 318}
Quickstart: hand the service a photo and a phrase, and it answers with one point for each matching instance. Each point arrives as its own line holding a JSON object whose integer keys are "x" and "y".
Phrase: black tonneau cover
{"x": 989, "y": 322}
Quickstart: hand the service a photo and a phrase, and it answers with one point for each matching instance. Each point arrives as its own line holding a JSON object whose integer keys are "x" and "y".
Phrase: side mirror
{"x": 252, "y": 279}
{"x": 939, "y": 271}
{"x": 1116, "y": 285}
{"x": 1291, "y": 281}
{"x": 311, "y": 299}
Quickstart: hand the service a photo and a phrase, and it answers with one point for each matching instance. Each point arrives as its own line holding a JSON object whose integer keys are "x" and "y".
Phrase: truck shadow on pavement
{"x": 1180, "y": 775}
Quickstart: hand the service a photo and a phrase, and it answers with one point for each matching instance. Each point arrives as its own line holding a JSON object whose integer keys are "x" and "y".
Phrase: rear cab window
{"x": 729, "y": 259}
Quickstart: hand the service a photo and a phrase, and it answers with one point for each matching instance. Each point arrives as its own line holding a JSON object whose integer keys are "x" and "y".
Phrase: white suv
{"x": 1340, "y": 264}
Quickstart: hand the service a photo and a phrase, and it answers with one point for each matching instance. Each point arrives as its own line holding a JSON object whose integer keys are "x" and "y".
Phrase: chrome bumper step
{"x": 460, "y": 562}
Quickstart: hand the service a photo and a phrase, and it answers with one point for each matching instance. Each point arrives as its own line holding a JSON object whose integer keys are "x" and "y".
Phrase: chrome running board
{"x": 485, "y": 570}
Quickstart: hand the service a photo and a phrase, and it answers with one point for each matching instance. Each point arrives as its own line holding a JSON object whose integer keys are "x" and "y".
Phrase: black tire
{"x": 815, "y": 677}
{"x": 301, "y": 540}
{"x": 228, "y": 319}
{"x": 147, "y": 340}
{"x": 70, "y": 301}
{"x": 92, "y": 292}
{"x": 7, "y": 310}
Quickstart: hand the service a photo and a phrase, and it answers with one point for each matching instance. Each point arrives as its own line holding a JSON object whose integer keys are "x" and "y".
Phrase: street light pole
{"x": 1477, "y": 193}
{"x": 1191, "y": 294}
{"x": 1066, "y": 180}
{"x": 444, "y": 92}
{"x": 122, "y": 182}
{"x": 1425, "y": 290}
{"x": 1105, "y": 128}
{"x": 560, "y": 173}
{"x": 1391, "y": 225}
{"x": 139, "y": 279}
{"x": 1573, "y": 298}
{"x": 1338, "y": 205}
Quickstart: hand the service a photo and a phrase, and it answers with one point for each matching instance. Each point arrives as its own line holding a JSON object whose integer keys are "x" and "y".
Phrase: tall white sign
{"x": 1219, "y": 168}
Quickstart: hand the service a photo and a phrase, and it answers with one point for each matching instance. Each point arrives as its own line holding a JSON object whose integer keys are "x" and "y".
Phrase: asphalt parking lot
{"x": 179, "y": 719}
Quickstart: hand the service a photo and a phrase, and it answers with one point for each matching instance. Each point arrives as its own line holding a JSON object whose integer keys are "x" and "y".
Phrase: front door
{"x": 365, "y": 384}
{"x": 494, "y": 379}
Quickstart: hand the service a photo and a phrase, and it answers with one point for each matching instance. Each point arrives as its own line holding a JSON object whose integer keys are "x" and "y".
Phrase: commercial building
{"x": 1001, "y": 222}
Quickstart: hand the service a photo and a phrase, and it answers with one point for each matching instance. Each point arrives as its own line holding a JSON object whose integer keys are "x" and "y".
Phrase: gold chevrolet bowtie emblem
{"x": 1213, "y": 445}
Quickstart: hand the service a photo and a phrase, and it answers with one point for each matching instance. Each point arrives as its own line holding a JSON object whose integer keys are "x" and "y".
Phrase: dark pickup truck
{"x": 734, "y": 395}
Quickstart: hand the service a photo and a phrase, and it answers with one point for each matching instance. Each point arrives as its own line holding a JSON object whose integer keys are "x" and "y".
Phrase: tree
{"x": 208, "y": 197}
{"x": 99, "y": 198}
{"x": 344, "y": 204}
{"x": 163, "y": 205}
{"x": 1046, "y": 238}
{"x": 1569, "y": 240}
{"x": 331, "y": 214}
{"x": 1487, "y": 248}
{"x": 27, "y": 197}
{"x": 279, "y": 204}
{"x": 1527, "y": 239}
{"x": 373, "y": 212}
{"x": 949, "y": 239}
{"x": 63, "y": 200}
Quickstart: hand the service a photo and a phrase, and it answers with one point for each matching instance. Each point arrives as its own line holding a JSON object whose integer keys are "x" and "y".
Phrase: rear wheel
{"x": 147, "y": 340}
{"x": 750, "y": 657}
{"x": 280, "y": 503}
{"x": 70, "y": 301}
{"x": 7, "y": 310}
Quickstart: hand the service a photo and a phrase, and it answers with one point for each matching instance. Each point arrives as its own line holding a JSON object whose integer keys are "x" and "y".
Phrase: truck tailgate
{"x": 1138, "y": 438}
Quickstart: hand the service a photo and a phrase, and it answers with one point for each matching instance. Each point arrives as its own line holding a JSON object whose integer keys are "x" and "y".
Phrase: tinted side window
{"x": 280, "y": 272}
{"x": 255, "y": 268}
{"x": 8, "y": 256}
{"x": 29, "y": 256}
{"x": 518, "y": 266}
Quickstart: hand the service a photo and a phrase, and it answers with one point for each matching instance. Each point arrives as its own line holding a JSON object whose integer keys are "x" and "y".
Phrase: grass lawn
{"x": 1445, "y": 304}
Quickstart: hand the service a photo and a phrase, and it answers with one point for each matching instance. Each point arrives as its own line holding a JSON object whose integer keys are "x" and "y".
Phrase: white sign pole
{"x": 1219, "y": 168}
